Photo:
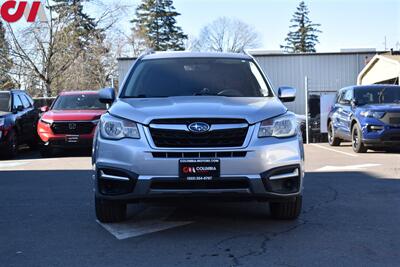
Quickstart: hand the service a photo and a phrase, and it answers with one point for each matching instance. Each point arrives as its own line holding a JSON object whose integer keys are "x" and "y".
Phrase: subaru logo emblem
{"x": 199, "y": 127}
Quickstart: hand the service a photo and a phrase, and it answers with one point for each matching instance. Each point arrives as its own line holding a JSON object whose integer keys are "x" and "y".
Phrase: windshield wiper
{"x": 145, "y": 96}
{"x": 135, "y": 96}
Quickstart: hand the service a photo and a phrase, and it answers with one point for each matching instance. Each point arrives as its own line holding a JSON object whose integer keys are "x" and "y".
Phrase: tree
{"x": 47, "y": 54}
{"x": 226, "y": 35}
{"x": 46, "y": 50}
{"x": 80, "y": 25}
{"x": 5, "y": 61}
{"x": 304, "y": 37}
{"x": 83, "y": 34}
{"x": 155, "y": 24}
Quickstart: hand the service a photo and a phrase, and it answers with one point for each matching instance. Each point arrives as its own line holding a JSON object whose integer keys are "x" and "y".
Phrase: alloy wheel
{"x": 355, "y": 138}
{"x": 330, "y": 133}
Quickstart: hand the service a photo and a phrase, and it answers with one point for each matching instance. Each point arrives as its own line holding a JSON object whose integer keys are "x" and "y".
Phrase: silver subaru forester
{"x": 197, "y": 125}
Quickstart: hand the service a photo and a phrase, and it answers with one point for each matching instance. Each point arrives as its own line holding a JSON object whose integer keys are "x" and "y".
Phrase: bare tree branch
{"x": 226, "y": 35}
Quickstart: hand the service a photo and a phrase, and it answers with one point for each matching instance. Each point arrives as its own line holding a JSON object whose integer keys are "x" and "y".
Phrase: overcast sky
{"x": 345, "y": 24}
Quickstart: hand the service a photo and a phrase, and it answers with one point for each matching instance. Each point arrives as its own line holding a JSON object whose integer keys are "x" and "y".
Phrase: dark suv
{"x": 18, "y": 118}
{"x": 368, "y": 116}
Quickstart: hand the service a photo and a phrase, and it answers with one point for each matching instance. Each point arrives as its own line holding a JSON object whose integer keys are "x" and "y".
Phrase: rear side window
{"x": 25, "y": 101}
{"x": 16, "y": 102}
{"x": 4, "y": 102}
{"x": 30, "y": 100}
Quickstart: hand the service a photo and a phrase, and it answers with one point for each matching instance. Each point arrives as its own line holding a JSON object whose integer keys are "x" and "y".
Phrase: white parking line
{"x": 347, "y": 168}
{"x": 150, "y": 220}
{"x": 12, "y": 164}
{"x": 334, "y": 150}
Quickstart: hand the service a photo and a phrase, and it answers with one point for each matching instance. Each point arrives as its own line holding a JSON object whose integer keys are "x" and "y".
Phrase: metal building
{"x": 325, "y": 72}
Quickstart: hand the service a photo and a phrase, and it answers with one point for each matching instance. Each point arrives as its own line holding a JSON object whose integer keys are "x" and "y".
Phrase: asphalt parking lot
{"x": 350, "y": 216}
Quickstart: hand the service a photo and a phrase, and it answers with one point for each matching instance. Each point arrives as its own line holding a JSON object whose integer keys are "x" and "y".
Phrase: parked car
{"x": 368, "y": 116}
{"x": 18, "y": 119}
{"x": 70, "y": 122}
{"x": 197, "y": 125}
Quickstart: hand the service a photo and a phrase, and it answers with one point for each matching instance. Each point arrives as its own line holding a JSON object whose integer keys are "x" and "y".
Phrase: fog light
{"x": 115, "y": 182}
{"x": 375, "y": 128}
{"x": 283, "y": 180}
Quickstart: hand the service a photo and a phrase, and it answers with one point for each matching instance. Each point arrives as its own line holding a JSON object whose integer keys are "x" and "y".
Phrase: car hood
{"x": 144, "y": 110}
{"x": 73, "y": 115}
{"x": 4, "y": 113}
{"x": 382, "y": 107}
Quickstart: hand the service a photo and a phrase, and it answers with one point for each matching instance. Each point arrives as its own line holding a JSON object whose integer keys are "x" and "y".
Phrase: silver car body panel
{"x": 136, "y": 155}
{"x": 144, "y": 110}
{"x": 263, "y": 154}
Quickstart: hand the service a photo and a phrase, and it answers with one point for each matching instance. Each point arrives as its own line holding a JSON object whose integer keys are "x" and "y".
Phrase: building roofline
{"x": 274, "y": 53}
{"x": 371, "y": 64}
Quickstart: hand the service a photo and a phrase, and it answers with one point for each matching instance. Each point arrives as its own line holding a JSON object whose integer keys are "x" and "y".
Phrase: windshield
{"x": 377, "y": 95}
{"x": 77, "y": 102}
{"x": 4, "y": 102}
{"x": 196, "y": 77}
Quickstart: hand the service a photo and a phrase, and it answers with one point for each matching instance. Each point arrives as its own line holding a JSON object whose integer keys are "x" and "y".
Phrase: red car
{"x": 70, "y": 122}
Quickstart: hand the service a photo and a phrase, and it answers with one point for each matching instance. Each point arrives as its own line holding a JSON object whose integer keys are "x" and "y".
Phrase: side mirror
{"x": 287, "y": 94}
{"x": 107, "y": 95}
{"x": 44, "y": 109}
{"x": 19, "y": 108}
{"x": 354, "y": 103}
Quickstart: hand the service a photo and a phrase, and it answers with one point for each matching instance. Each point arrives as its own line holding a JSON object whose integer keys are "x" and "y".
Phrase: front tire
{"x": 286, "y": 210}
{"x": 332, "y": 139}
{"x": 46, "y": 151}
{"x": 12, "y": 147}
{"x": 356, "y": 140}
{"x": 110, "y": 211}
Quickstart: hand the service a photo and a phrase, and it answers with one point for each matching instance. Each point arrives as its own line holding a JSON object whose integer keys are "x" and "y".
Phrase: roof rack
{"x": 147, "y": 52}
{"x": 244, "y": 51}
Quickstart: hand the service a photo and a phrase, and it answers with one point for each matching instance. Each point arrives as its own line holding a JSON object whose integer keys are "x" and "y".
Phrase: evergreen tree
{"x": 83, "y": 38}
{"x": 5, "y": 61}
{"x": 81, "y": 26}
{"x": 155, "y": 24}
{"x": 304, "y": 36}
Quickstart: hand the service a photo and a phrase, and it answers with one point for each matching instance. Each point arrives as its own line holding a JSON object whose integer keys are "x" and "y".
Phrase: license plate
{"x": 199, "y": 169}
{"x": 72, "y": 138}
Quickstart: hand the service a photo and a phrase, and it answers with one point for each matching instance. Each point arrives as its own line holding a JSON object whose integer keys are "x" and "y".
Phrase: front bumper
{"x": 63, "y": 140}
{"x": 145, "y": 176}
{"x": 388, "y": 136}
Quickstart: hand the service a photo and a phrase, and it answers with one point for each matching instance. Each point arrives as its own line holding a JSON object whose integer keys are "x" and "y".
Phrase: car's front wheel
{"x": 289, "y": 210}
{"x": 46, "y": 151}
{"x": 332, "y": 139}
{"x": 110, "y": 211}
{"x": 12, "y": 146}
{"x": 356, "y": 140}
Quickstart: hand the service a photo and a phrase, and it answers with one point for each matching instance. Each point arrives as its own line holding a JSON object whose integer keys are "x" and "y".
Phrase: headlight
{"x": 373, "y": 114}
{"x": 115, "y": 128}
{"x": 283, "y": 126}
{"x": 47, "y": 121}
{"x": 2, "y": 120}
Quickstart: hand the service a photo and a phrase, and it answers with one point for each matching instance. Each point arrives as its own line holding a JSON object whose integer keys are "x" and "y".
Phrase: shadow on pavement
{"x": 25, "y": 153}
{"x": 348, "y": 218}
